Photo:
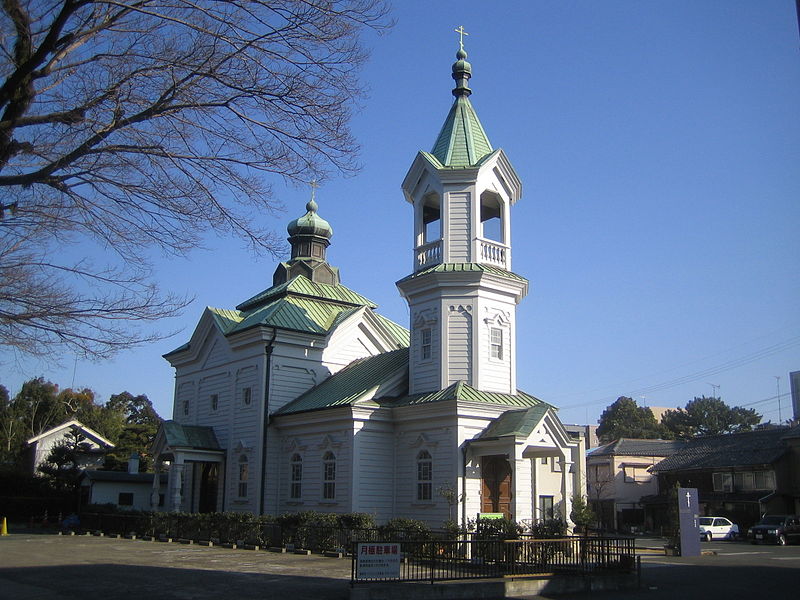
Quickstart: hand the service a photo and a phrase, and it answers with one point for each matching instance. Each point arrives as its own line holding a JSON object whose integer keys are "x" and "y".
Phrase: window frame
{"x": 127, "y": 496}
{"x": 329, "y": 476}
{"x": 426, "y": 345}
{"x": 244, "y": 475}
{"x": 496, "y": 343}
{"x": 214, "y": 402}
{"x": 547, "y": 513}
{"x": 424, "y": 476}
{"x": 247, "y": 396}
{"x": 296, "y": 477}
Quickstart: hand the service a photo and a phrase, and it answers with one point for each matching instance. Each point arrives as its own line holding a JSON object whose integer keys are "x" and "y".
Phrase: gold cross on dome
{"x": 461, "y": 33}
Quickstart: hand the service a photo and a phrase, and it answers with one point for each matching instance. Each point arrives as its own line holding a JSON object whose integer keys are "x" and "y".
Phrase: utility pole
{"x": 778, "y": 385}
{"x": 714, "y": 387}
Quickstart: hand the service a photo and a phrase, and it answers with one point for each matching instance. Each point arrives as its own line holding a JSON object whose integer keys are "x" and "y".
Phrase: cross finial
{"x": 314, "y": 185}
{"x": 461, "y": 33}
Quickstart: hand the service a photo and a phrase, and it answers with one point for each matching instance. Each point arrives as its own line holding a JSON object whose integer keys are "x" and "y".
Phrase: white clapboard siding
{"x": 458, "y": 233}
{"x": 459, "y": 346}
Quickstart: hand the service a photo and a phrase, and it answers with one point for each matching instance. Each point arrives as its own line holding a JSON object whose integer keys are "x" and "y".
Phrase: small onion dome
{"x": 310, "y": 224}
{"x": 462, "y": 71}
{"x": 461, "y": 65}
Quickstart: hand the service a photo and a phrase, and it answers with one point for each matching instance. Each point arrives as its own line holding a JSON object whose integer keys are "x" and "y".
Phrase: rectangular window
{"x": 424, "y": 476}
{"x": 546, "y": 511}
{"x": 214, "y": 401}
{"x": 425, "y": 347}
{"x": 555, "y": 466}
{"x": 296, "y": 491}
{"x": 186, "y": 407}
{"x": 244, "y": 472}
{"x": 497, "y": 343}
{"x": 544, "y": 460}
{"x": 329, "y": 476}
{"x": 247, "y": 396}
{"x": 125, "y": 499}
{"x": 723, "y": 482}
{"x": 635, "y": 474}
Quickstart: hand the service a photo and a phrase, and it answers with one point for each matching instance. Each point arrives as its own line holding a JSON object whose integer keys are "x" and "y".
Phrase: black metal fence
{"x": 443, "y": 560}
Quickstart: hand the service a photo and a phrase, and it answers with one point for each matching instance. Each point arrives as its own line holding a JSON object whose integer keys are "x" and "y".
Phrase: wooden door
{"x": 496, "y": 485}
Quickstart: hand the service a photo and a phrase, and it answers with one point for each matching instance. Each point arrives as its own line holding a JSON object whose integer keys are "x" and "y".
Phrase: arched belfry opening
{"x": 431, "y": 219}
{"x": 493, "y": 217}
{"x": 428, "y": 242}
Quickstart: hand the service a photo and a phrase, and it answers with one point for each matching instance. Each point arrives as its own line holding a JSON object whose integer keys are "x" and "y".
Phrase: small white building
{"x": 93, "y": 446}
{"x": 126, "y": 491}
{"x": 304, "y": 397}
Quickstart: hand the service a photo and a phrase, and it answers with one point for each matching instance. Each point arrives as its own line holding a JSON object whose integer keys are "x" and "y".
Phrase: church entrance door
{"x": 209, "y": 481}
{"x": 496, "y": 485}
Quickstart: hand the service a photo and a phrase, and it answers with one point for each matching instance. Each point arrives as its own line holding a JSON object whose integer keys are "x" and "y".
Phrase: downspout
{"x": 265, "y": 424}
{"x": 464, "y": 485}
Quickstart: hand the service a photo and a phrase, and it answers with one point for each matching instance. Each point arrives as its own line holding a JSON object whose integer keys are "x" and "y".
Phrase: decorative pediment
{"x": 241, "y": 447}
{"x": 293, "y": 444}
{"x": 497, "y": 317}
{"x": 428, "y": 316}
{"x": 328, "y": 442}
{"x": 422, "y": 440}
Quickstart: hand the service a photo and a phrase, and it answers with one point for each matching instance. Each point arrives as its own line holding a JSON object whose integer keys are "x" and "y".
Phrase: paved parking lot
{"x": 47, "y": 567}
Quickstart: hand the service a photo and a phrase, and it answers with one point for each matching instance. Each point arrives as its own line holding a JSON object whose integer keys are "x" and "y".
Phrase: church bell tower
{"x": 462, "y": 294}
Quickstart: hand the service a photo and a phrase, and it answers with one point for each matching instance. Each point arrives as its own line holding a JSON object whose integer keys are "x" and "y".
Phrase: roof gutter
{"x": 265, "y": 423}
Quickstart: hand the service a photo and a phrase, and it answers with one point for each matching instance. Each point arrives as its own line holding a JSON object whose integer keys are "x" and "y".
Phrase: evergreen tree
{"x": 624, "y": 418}
{"x": 709, "y": 416}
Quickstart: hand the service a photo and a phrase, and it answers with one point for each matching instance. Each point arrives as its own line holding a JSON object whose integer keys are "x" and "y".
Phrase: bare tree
{"x": 141, "y": 124}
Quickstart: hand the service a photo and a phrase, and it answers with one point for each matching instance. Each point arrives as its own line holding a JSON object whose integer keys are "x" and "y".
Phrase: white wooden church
{"x": 304, "y": 397}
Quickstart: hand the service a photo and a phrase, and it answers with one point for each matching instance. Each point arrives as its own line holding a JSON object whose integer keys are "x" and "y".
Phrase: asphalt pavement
{"x": 48, "y": 567}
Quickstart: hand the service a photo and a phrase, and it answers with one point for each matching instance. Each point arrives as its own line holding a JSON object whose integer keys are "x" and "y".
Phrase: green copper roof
{"x": 310, "y": 223}
{"x": 348, "y": 386}
{"x": 190, "y": 436}
{"x": 466, "y": 267}
{"x": 300, "y": 305}
{"x": 517, "y": 423}
{"x": 302, "y": 286}
{"x": 462, "y": 142}
{"x": 400, "y": 333}
{"x": 465, "y": 393}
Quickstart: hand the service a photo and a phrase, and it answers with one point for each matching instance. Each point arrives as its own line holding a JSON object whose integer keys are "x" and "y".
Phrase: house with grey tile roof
{"x": 741, "y": 476}
{"x": 303, "y": 397}
{"x": 618, "y": 476}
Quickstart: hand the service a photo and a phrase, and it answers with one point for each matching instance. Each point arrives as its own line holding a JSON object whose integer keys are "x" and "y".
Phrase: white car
{"x": 717, "y": 528}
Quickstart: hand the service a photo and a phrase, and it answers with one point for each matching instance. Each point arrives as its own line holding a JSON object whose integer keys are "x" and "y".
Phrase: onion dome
{"x": 310, "y": 224}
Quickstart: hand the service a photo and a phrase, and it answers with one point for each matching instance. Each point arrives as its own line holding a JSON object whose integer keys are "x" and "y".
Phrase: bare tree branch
{"x": 141, "y": 124}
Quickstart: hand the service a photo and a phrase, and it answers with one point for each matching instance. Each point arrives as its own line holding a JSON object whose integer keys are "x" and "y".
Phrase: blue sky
{"x": 658, "y": 144}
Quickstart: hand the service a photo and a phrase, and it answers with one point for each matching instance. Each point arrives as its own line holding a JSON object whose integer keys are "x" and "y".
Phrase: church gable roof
{"x": 302, "y": 286}
{"x": 189, "y": 436}
{"x": 357, "y": 381}
{"x": 465, "y": 393}
{"x": 516, "y": 423}
{"x": 297, "y": 305}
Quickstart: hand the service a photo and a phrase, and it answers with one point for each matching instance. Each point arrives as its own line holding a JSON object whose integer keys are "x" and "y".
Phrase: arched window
{"x": 296, "y": 490}
{"x": 431, "y": 219}
{"x": 329, "y": 476}
{"x": 492, "y": 217}
{"x": 424, "y": 475}
{"x": 243, "y": 473}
